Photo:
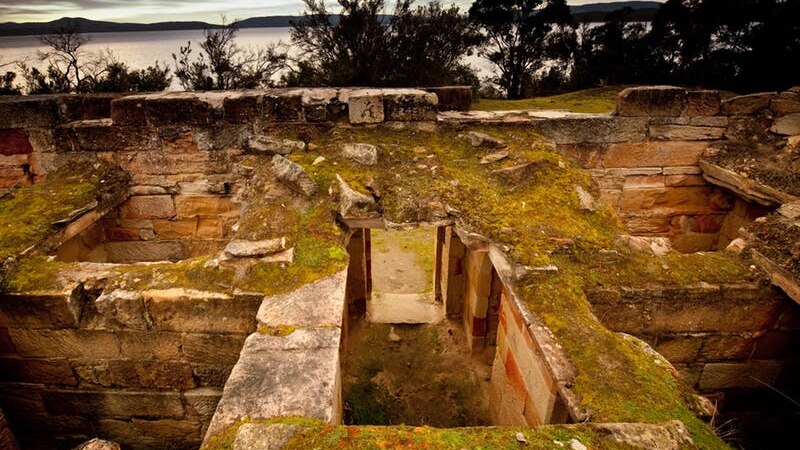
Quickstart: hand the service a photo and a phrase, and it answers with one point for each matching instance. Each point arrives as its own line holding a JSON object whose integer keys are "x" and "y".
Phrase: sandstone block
{"x": 293, "y": 175}
{"x": 355, "y": 205}
{"x": 718, "y": 348}
{"x": 202, "y": 402}
{"x": 175, "y": 229}
{"x": 782, "y": 106}
{"x": 685, "y": 180}
{"x": 317, "y": 304}
{"x": 663, "y": 101}
{"x": 272, "y": 145}
{"x": 366, "y": 107}
{"x": 15, "y": 142}
{"x": 42, "y": 310}
{"x": 35, "y": 111}
{"x": 240, "y": 248}
{"x": 203, "y": 206}
{"x": 739, "y": 375}
{"x": 180, "y": 109}
{"x": 113, "y": 403}
{"x": 787, "y": 125}
{"x": 208, "y": 375}
{"x": 45, "y": 371}
{"x": 410, "y": 105}
{"x": 264, "y": 437}
{"x": 190, "y": 310}
{"x": 141, "y": 345}
{"x": 593, "y": 130}
{"x": 89, "y": 344}
{"x": 744, "y": 105}
{"x": 218, "y": 349}
{"x": 161, "y": 434}
{"x": 644, "y": 181}
{"x": 98, "y": 444}
{"x": 148, "y": 207}
{"x": 647, "y": 223}
{"x": 245, "y": 107}
{"x": 283, "y": 107}
{"x": 649, "y": 154}
{"x": 453, "y": 98}
{"x": 679, "y": 349}
{"x": 125, "y": 373}
{"x": 702, "y": 103}
{"x": 144, "y": 251}
{"x": 128, "y": 111}
{"x": 209, "y": 228}
{"x": 482, "y": 140}
{"x": 364, "y": 154}
{"x": 117, "y": 309}
{"x": 685, "y": 132}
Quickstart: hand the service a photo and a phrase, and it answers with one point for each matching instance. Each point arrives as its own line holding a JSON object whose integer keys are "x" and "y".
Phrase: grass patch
{"x": 597, "y": 100}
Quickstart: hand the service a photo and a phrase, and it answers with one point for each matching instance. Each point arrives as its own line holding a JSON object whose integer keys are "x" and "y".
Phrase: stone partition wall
{"x": 145, "y": 369}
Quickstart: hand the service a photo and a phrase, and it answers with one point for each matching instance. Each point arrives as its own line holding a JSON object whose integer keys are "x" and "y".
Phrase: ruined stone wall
{"x": 724, "y": 339}
{"x": 144, "y": 369}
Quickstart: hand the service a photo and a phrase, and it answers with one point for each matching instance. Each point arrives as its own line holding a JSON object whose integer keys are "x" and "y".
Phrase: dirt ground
{"x": 402, "y": 261}
{"x": 414, "y": 375}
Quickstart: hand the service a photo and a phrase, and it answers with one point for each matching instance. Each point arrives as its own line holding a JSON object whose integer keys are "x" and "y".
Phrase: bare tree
{"x": 224, "y": 65}
{"x": 65, "y": 54}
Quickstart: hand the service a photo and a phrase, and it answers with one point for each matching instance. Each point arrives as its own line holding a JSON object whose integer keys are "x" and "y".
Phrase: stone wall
{"x": 724, "y": 339}
{"x": 145, "y": 369}
{"x": 7, "y": 439}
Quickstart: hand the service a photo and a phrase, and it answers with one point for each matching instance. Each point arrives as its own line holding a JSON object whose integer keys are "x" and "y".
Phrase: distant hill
{"x": 594, "y": 12}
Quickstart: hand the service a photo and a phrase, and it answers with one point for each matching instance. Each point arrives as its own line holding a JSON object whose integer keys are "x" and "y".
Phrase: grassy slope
{"x": 597, "y": 100}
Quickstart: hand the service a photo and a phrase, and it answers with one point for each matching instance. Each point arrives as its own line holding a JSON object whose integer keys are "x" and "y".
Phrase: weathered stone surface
{"x": 203, "y": 205}
{"x": 87, "y": 344}
{"x": 482, "y": 140}
{"x": 137, "y": 374}
{"x": 782, "y": 106}
{"x": 745, "y": 105}
{"x": 652, "y": 101}
{"x": 264, "y": 437}
{"x": 128, "y": 111}
{"x": 672, "y": 435}
{"x": 410, "y": 105}
{"x": 272, "y": 145}
{"x": 649, "y": 154}
{"x": 114, "y": 403}
{"x": 102, "y": 136}
{"x": 679, "y": 349}
{"x": 293, "y": 175}
{"x": 145, "y": 251}
{"x": 43, "y": 309}
{"x": 202, "y": 401}
{"x": 148, "y": 207}
{"x": 159, "y": 434}
{"x": 365, "y": 154}
{"x": 190, "y": 310}
{"x": 366, "y": 107}
{"x": 149, "y": 344}
{"x": 599, "y": 129}
{"x": 318, "y": 304}
{"x": 746, "y": 187}
{"x": 35, "y": 111}
{"x": 295, "y": 375}
{"x": 116, "y": 309}
{"x": 355, "y": 205}
{"x": 702, "y": 103}
{"x": 284, "y": 106}
{"x": 244, "y": 107}
{"x": 98, "y": 444}
{"x": 585, "y": 199}
{"x": 183, "y": 108}
{"x": 779, "y": 276}
{"x": 515, "y": 174}
{"x": 52, "y": 371}
{"x": 685, "y": 132}
{"x": 240, "y": 248}
{"x": 494, "y": 157}
{"x": 787, "y": 125}
{"x": 753, "y": 374}
{"x": 15, "y": 142}
{"x": 212, "y": 348}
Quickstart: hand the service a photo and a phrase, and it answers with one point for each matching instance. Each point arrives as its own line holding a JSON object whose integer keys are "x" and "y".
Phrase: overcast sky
{"x": 147, "y": 11}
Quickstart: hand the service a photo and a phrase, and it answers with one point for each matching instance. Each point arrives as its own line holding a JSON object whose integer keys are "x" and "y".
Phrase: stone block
{"x": 587, "y": 156}
{"x": 180, "y": 109}
{"x": 209, "y": 228}
{"x": 6, "y": 344}
{"x": 88, "y": 344}
{"x": 752, "y": 374}
{"x": 141, "y": 345}
{"x": 679, "y": 349}
{"x": 674, "y": 200}
{"x": 719, "y": 348}
{"x": 453, "y": 98}
{"x": 744, "y": 105}
{"x": 126, "y": 373}
{"x": 788, "y": 125}
{"x": 644, "y": 181}
{"x": 203, "y": 205}
{"x": 148, "y": 207}
{"x": 410, "y": 106}
{"x": 685, "y": 180}
{"x": 30, "y": 111}
{"x": 202, "y": 402}
{"x": 15, "y": 142}
{"x": 175, "y": 229}
{"x": 86, "y": 106}
{"x": 318, "y": 304}
{"x": 685, "y": 132}
{"x": 114, "y": 310}
{"x": 189, "y": 310}
{"x": 113, "y": 403}
{"x": 144, "y": 251}
{"x": 366, "y": 107}
{"x": 45, "y": 371}
{"x": 702, "y": 103}
{"x": 162, "y": 434}
{"x": 42, "y": 310}
{"x": 295, "y": 375}
{"x": 101, "y": 136}
{"x": 128, "y": 111}
{"x": 652, "y": 101}
{"x": 782, "y": 107}
{"x": 284, "y": 107}
{"x": 650, "y": 154}
{"x": 593, "y": 130}
{"x": 218, "y": 349}
{"x": 208, "y": 375}
{"x": 252, "y": 436}
{"x": 245, "y": 107}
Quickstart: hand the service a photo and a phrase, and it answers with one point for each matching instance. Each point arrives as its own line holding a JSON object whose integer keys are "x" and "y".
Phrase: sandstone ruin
{"x": 179, "y": 269}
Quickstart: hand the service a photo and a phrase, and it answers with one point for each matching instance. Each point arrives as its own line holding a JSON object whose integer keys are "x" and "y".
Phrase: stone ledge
{"x": 747, "y": 188}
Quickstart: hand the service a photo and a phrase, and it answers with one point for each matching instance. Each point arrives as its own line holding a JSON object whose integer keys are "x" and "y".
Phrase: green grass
{"x": 597, "y": 100}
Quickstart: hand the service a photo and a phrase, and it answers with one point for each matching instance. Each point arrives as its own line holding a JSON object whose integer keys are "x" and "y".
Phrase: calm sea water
{"x": 141, "y": 49}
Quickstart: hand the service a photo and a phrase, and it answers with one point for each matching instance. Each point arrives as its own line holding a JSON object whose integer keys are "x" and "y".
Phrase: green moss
{"x": 279, "y": 331}
{"x": 36, "y": 273}
{"x": 598, "y": 100}
{"x": 27, "y": 217}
